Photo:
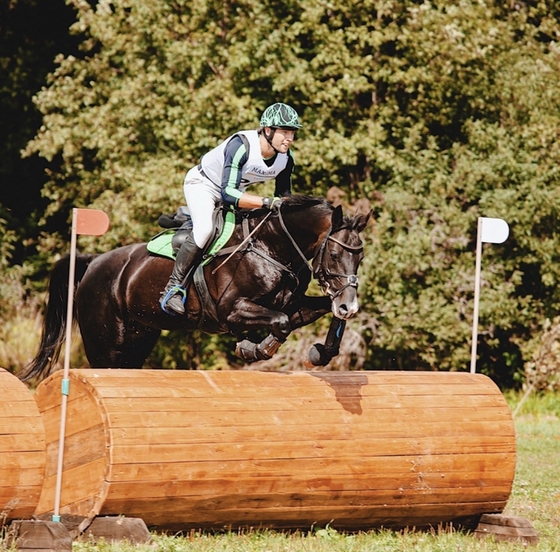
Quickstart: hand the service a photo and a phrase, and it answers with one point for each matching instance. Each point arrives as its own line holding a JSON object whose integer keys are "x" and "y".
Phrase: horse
{"x": 260, "y": 285}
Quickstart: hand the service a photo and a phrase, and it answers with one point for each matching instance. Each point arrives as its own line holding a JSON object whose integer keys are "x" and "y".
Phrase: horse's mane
{"x": 351, "y": 223}
{"x": 296, "y": 202}
{"x": 299, "y": 202}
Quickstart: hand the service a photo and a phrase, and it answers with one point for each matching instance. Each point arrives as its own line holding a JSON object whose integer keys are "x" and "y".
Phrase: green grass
{"x": 535, "y": 496}
{"x": 536, "y": 491}
{"x": 328, "y": 541}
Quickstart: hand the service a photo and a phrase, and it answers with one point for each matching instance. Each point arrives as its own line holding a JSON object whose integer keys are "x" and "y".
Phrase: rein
{"x": 305, "y": 261}
{"x": 320, "y": 273}
{"x": 245, "y": 240}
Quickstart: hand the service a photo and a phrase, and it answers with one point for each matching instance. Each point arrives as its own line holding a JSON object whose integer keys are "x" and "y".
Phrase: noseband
{"x": 323, "y": 274}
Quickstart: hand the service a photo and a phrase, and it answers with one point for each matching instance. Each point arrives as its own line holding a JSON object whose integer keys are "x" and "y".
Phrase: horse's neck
{"x": 307, "y": 229}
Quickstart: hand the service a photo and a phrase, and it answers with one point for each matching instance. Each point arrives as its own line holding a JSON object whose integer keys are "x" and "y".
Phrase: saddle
{"x": 178, "y": 225}
{"x": 166, "y": 244}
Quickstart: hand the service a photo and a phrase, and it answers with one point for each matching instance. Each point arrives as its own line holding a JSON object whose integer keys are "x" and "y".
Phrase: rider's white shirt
{"x": 253, "y": 171}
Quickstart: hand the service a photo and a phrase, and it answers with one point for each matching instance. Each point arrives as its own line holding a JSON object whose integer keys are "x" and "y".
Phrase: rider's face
{"x": 283, "y": 138}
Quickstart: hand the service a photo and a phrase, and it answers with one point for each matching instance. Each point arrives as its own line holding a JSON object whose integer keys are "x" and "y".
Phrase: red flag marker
{"x": 91, "y": 222}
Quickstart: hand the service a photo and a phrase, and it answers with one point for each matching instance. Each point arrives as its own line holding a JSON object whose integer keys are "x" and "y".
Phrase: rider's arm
{"x": 284, "y": 179}
{"x": 250, "y": 201}
{"x": 235, "y": 156}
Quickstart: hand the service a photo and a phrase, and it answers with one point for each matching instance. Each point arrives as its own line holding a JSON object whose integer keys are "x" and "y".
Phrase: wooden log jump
{"x": 22, "y": 450}
{"x": 228, "y": 449}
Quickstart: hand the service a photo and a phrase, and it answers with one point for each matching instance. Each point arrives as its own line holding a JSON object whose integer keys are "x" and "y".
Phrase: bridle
{"x": 319, "y": 271}
{"x": 322, "y": 274}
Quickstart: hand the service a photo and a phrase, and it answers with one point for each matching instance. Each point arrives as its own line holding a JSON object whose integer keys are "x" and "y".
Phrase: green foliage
{"x": 542, "y": 404}
{"x": 7, "y": 239}
{"x": 542, "y": 371}
{"x": 176, "y": 350}
{"x": 436, "y": 112}
{"x": 20, "y": 330}
{"x": 31, "y": 33}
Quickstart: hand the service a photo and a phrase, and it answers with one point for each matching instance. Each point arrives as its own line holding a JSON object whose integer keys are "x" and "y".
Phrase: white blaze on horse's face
{"x": 337, "y": 271}
{"x": 346, "y": 305}
{"x": 345, "y": 300}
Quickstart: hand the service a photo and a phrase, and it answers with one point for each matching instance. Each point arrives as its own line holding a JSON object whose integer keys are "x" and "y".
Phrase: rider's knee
{"x": 180, "y": 236}
{"x": 202, "y": 234}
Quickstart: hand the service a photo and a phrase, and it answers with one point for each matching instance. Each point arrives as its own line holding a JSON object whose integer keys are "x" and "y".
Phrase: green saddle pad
{"x": 161, "y": 243}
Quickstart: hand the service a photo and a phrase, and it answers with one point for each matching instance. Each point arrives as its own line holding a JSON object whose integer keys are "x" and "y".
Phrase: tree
{"x": 31, "y": 33}
{"x": 436, "y": 113}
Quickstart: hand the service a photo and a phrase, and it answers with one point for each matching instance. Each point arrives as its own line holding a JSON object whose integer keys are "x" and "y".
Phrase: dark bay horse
{"x": 260, "y": 284}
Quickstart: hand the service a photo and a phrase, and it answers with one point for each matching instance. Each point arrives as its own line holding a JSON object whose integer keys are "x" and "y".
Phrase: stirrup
{"x": 170, "y": 293}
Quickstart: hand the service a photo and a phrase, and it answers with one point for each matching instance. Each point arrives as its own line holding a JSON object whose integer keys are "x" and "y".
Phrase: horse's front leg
{"x": 245, "y": 316}
{"x": 321, "y": 355}
{"x": 309, "y": 310}
{"x": 312, "y": 309}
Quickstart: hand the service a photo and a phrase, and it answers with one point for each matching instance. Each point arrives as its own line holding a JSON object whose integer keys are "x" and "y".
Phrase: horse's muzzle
{"x": 346, "y": 305}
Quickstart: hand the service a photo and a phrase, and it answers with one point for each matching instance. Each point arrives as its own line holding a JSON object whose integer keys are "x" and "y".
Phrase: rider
{"x": 247, "y": 157}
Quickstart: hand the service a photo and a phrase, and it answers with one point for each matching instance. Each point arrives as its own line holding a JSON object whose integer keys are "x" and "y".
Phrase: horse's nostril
{"x": 345, "y": 310}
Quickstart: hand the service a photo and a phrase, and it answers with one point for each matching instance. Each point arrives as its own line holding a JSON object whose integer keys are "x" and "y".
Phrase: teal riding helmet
{"x": 280, "y": 115}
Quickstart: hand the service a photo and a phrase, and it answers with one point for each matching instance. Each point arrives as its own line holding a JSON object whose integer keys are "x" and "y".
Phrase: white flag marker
{"x": 490, "y": 230}
{"x": 494, "y": 230}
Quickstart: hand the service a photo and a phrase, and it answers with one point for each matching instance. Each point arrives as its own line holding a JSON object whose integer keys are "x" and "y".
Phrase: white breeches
{"x": 202, "y": 196}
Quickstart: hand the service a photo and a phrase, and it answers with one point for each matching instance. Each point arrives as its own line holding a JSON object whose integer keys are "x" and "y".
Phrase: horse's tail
{"x": 54, "y": 322}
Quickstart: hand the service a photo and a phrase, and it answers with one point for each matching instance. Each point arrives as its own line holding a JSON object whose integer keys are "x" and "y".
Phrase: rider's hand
{"x": 272, "y": 203}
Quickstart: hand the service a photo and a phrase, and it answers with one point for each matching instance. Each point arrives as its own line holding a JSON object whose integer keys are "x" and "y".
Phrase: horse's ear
{"x": 362, "y": 220}
{"x": 337, "y": 217}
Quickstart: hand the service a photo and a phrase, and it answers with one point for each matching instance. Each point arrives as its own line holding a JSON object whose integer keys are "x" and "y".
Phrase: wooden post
{"x": 474, "y": 339}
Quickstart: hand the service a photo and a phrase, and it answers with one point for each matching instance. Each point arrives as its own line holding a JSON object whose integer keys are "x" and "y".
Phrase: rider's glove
{"x": 272, "y": 203}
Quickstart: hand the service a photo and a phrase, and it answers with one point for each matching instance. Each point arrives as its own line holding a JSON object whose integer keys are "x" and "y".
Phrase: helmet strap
{"x": 269, "y": 138}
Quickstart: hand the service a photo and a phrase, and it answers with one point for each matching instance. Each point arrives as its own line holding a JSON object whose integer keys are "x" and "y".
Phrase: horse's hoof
{"x": 318, "y": 355}
{"x": 246, "y": 350}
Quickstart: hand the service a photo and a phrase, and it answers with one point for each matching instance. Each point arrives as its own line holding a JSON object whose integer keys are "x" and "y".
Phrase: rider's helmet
{"x": 280, "y": 115}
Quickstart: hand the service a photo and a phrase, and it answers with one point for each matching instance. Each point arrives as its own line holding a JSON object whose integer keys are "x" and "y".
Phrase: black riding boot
{"x": 174, "y": 295}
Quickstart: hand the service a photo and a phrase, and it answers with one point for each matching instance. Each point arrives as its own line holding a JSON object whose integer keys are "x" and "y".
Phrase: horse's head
{"x": 336, "y": 264}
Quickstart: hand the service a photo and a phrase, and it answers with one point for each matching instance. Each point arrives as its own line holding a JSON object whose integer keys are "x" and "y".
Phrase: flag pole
{"x": 65, "y": 380}
{"x": 92, "y": 222}
{"x": 476, "y": 295}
